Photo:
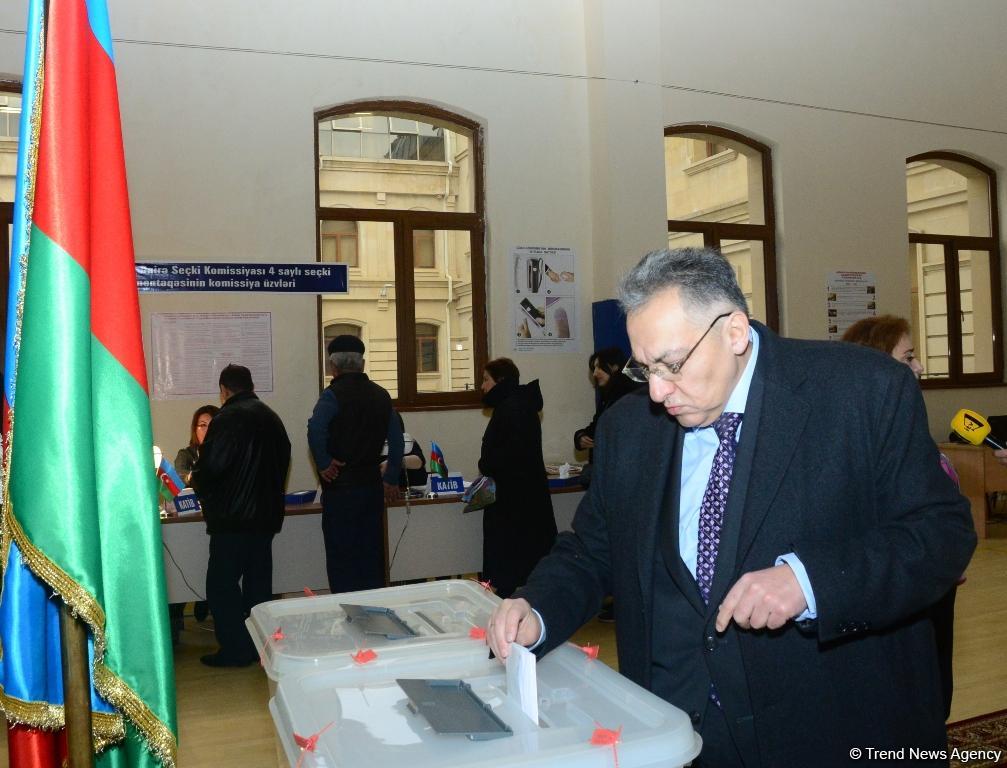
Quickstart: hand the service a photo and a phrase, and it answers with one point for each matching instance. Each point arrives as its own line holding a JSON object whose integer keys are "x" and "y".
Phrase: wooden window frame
{"x": 339, "y": 237}
{"x": 404, "y": 222}
{"x": 715, "y": 232}
{"x": 952, "y": 245}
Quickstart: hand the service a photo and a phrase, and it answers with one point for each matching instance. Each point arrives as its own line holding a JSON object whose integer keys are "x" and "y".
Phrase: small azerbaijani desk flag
{"x": 169, "y": 478}
{"x": 437, "y": 465}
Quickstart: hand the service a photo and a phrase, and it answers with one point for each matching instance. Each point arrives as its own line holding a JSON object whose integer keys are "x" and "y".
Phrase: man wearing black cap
{"x": 346, "y": 433}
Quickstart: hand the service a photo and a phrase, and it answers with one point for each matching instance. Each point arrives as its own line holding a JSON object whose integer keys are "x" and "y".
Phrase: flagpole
{"x": 76, "y": 689}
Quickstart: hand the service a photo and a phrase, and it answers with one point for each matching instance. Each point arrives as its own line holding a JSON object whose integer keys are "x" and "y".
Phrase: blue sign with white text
{"x": 313, "y": 277}
{"x": 450, "y": 484}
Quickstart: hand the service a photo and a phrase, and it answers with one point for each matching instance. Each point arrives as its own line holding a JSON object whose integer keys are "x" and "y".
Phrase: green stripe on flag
{"x": 83, "y": 488}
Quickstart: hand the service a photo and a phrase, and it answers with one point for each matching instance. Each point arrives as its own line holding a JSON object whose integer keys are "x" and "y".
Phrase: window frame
{"x": 714, "y": 232}
{"x": 404, "y": 222}
{"x": 952, "y": 245}
{"x": 16, "y": 88}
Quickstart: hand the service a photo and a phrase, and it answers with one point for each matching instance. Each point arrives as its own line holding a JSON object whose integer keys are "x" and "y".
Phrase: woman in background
{"x": 186, "y": 458}
{"x": 891, "y": 335}
{"x": 519, "y": 527}
{"x": 612, "y": 384}
{"x": 184, "y": 461}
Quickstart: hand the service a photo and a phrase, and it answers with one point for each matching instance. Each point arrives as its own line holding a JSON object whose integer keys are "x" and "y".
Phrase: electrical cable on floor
{"x": 181, "y": 572}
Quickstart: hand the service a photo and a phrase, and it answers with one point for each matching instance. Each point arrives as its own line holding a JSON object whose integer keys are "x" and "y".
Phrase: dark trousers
{"x": 354, "y": 532}
{"x": 239, "y": 576}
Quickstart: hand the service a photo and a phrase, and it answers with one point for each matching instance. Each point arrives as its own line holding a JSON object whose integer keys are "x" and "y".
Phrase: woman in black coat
{"x": 612, "y": 383}
{"x": 519, "y": 527}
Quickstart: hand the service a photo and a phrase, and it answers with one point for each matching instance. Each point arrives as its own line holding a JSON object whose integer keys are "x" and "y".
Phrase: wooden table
{"x": 980, "y": 474}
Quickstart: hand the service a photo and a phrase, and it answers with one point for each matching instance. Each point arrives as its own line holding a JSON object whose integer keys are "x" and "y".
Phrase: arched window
{"x": 720, "y": 195}
{"x": 400, "y": 199}
{"x": 954, "y": 268}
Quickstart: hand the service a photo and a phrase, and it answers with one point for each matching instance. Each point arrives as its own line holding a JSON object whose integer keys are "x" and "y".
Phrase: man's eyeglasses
{"x": 667, "y": 371}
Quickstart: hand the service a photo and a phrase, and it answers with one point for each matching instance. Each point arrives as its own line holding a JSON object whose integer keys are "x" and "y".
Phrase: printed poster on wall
{"x": 544, "y": 314}
{"x": 849, "y": 296}
{"x": 189, "y": 350}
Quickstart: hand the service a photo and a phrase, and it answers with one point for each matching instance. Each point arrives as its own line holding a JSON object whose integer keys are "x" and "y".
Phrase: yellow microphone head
{"x": 970, "y": 426}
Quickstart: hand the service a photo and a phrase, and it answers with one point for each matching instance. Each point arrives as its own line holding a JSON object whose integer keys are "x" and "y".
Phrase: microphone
{"x": 973, "y": 428}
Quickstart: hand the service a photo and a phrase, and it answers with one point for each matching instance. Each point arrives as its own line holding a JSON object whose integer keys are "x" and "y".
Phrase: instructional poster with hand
{"x": 544, "y": 310}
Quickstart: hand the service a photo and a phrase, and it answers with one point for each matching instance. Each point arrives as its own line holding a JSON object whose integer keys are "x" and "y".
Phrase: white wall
{"x": 219, "y": 144}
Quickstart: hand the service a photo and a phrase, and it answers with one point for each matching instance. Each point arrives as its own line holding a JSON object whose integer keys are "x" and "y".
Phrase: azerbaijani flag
{"x": 437, "y": 464}
{"x": 89, "y": 535}
{"x": 169, "y": 478}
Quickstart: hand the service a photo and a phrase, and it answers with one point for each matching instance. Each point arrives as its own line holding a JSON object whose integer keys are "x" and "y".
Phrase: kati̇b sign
{"x": 313, "y": 277}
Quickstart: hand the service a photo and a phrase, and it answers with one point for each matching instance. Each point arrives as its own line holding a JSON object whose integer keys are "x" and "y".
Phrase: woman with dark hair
{"x": 186, "y": 458}
{"x": 891, "y": 335}
{"x": 612, "y": 383}
{"x": 519, "y": 527}
{"x": 184, "y": 461}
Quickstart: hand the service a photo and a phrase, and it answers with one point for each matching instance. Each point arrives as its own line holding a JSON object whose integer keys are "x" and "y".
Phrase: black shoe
{"x": 200, "y": 610}
{"x": 219, "y": 660}
{"x": 607, "y": 616}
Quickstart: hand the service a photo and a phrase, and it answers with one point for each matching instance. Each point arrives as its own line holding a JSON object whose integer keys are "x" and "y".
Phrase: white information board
{"x": 849, "y": 296}
{"x": 189, "y": 350}
{"x": 544, "y": 315}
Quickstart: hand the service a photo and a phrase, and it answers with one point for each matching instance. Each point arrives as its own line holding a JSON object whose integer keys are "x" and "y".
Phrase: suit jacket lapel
{"x": 781, "y": 420}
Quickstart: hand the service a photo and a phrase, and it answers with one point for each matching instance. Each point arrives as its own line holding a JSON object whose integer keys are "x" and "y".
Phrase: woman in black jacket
{"x": 519, "y": 527}
{"x": 612, "y": 384}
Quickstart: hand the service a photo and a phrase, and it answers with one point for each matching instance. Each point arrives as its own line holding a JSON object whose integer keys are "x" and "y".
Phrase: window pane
{"x": 976, "y": 311}
{"x": 339, "y": 242}
{"x": 424, "y": 255}
{"x": 746, "y": 256}
{"x": 443, "y": 312}
{"x": 345, "y": 144}
{"x": 709, "y": 178}
{"x": 370, "y": 302}
{"x": 947, "y": 198}
{"x": 10, "y": 116}
{"x": 356, "y": 176}
{"x": 685, "y": 240}
{"x": 930, "y": 309}
{"x": 403, "y": 147}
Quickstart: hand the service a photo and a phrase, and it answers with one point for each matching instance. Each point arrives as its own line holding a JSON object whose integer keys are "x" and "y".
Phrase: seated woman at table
{"x": 414, "y": 463}
{"x": 184, "y": 461}
{"x": 186, "y": 458}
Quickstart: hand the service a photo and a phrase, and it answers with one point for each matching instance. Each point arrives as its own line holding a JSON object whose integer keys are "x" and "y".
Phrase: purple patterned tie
{"x": 711, "y": 513}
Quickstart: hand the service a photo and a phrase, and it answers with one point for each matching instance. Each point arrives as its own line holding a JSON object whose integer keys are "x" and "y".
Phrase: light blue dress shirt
{"x": 698, "y": 449}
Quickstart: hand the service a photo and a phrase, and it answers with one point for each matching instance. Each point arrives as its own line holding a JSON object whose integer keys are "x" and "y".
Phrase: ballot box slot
{"x": 437, "y": 628}
{"x": 375, "y": 620}
{"x": 452, "y": 707}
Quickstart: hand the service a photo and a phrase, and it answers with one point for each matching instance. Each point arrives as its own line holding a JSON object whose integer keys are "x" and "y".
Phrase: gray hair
{"x": 348, "y": 362}
{"x": 704, "y": 278}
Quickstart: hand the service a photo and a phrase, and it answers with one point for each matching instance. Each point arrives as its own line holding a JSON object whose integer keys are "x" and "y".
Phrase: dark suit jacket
{"x": 836, "y": 464}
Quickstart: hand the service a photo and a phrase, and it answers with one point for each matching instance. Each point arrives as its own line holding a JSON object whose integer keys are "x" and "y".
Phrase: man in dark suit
{"x": 773, "y": 527}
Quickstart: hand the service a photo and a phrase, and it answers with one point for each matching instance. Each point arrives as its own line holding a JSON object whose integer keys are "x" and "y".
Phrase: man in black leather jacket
{"x": 240, "y": 478}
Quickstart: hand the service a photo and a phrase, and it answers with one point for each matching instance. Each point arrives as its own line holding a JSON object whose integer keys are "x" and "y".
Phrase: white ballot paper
{"x": 522, "y": 684}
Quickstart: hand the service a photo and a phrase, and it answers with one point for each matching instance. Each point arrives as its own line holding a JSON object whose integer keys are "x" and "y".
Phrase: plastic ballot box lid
{"x": 589, "y": 715}
{"x": 306, "y": 633}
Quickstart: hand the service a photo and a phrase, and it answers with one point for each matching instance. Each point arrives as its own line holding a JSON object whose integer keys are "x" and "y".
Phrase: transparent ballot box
{"x": 303, "y": 634}
{"x": 342, "y": 718}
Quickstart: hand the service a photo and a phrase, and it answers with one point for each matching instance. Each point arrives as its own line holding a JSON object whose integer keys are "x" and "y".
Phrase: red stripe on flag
{"x": 81, "y": 201}
{"x": 115, "y": 308}
{"x": 62, "y": 205}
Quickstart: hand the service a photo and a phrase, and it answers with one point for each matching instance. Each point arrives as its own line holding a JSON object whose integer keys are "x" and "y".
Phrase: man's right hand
{"x": 586, "y": 442}
{"x": 331, "y": 472}
{"x": 512, "y": 622}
